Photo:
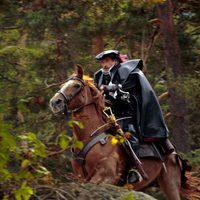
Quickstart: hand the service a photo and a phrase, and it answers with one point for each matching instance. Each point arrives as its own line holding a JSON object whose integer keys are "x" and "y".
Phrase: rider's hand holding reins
{"x": 110, "y": 87}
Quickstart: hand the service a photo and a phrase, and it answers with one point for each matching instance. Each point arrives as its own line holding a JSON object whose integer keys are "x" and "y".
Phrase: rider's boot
{"x": 133, "y": 176}
{"x": 167, "y": 146}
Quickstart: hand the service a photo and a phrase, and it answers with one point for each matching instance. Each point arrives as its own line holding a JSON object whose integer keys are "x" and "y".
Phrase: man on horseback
{"x": 132, "y": 99}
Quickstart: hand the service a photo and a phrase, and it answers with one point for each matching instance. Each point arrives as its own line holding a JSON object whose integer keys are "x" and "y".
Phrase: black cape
{"x": 150, "y": 119}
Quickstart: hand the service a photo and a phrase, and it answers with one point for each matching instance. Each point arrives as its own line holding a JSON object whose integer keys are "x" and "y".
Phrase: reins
{"x": 77, "y": 109}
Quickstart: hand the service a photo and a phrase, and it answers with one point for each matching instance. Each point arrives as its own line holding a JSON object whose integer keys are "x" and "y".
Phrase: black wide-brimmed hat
{"x": 107, "y": 53}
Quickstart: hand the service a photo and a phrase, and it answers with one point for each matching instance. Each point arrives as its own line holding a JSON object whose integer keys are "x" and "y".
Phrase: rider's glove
{"x": 110, "y": 87}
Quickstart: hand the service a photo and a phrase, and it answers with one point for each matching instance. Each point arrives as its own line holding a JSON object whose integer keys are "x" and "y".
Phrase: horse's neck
{"x": 90, "y": 119}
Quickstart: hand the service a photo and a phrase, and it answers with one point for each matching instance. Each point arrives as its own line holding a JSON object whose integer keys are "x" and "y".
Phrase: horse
{"x": 101, "y": 160}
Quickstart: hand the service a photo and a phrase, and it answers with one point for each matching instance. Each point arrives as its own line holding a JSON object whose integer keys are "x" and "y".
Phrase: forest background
{"x": 40, "y": 43}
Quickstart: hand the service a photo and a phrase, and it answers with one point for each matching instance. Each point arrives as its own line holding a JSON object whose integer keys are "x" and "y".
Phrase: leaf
{"x": 5, "y": 198}
{"x": 42, "y": 170}
{"x": 38, "y": 148}
{"x": 24, "y": 192}
{"x": 74, "y": 122}
{"x": 5, "y": 174}
{"x": 63, "y": 142}
{"x": 7, "y": 141}
{"x": 25, "y": 163}
{"x": 78, "y": 144}
{"x": 128, "y": 197}
{"x": 121, "y": 140}
{"x": 31, "y": 136}
{"x": 114, "y": 141}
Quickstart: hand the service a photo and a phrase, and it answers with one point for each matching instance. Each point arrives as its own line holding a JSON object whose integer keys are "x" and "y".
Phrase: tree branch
{"x": 53, "y": 84}
{"x": 153, "y": 38}
{"x": 121, "y": 39}
{"x": 163, "y": 95}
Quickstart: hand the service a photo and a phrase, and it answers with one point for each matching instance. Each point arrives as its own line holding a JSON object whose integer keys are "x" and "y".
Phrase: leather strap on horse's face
{"x": 67, "y": 99}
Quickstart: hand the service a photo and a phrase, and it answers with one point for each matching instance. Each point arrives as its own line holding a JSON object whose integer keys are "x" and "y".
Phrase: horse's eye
{"x": 77, "y": 86}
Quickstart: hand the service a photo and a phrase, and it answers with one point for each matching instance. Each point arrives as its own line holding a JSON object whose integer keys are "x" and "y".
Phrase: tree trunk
{"x": 64, "y": 61}
{"x": 97, "y": 44}
{"x": 174, "y": 68}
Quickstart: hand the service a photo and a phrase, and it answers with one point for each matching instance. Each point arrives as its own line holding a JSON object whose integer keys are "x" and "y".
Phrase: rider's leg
{"x": 133, "y": 174}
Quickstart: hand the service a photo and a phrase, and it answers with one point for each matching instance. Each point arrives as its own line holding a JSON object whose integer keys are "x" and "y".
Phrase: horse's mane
{"x": 97, "y": 95}
{"x": 87, "y": 78}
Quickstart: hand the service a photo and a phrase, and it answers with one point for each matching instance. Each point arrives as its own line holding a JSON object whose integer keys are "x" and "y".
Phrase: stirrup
{"x": 134, "y": 176}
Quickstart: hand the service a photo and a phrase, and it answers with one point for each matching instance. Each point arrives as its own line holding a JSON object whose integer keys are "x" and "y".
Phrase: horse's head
{"x": 74, "y": 94}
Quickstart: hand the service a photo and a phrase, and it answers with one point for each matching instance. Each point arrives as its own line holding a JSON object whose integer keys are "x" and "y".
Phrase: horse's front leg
{"x": 105, "y": 171}
{"x": 78, "y": 170}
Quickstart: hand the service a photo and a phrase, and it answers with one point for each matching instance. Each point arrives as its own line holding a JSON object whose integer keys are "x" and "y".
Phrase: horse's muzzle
{"x": 58, "y": 106}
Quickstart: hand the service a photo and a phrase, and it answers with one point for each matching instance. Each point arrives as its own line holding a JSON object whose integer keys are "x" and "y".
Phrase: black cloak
{"x": 150, "y": 121}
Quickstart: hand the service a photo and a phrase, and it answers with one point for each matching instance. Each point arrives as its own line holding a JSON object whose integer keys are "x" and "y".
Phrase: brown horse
{"x": 103, "y": 161}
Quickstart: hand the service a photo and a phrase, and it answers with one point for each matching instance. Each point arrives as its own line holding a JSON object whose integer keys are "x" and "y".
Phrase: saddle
{"x": 159, "y": 149}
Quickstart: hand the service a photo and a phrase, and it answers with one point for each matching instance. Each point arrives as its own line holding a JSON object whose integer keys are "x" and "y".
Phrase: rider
{"x": 131, "y": 97}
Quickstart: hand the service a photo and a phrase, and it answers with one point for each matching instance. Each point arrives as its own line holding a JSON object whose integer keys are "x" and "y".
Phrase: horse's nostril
{"x": 58, "y": 101}
{"x": 54, "y": 103}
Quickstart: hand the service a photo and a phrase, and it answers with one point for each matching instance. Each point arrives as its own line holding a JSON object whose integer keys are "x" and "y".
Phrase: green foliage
{"x": 63, "y": 140}
{"x": 24, "y": 192}
{"x": 187, "y": 85}
{"x": 193, "y": 157}
{"x": 7, "y": 144}
{"x": 74, "y": 122}
{"x": 27, "y": 154}
{"x": 128, "y": 197}
{"x": 41, "y": 41}
{"x": 77, "y": 144}
{"x": 35, "y": 146}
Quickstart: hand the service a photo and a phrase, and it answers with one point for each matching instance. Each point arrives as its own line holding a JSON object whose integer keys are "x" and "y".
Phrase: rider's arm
{"x": 132, "y": 86}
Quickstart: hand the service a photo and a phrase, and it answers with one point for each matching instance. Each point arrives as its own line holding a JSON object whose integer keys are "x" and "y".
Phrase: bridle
{"x": 67, "y": 99}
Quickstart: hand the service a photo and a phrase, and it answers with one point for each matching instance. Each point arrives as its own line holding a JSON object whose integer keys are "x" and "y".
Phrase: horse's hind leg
{"x": 170, "y": 181}
{"x": 153, "y": 168}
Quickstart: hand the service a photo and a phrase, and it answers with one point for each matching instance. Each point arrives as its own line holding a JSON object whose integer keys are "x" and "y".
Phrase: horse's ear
{"x": 79, "y": 71}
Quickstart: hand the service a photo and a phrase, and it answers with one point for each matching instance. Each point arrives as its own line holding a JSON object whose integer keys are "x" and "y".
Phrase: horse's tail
{"x": 190, "y": 182}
